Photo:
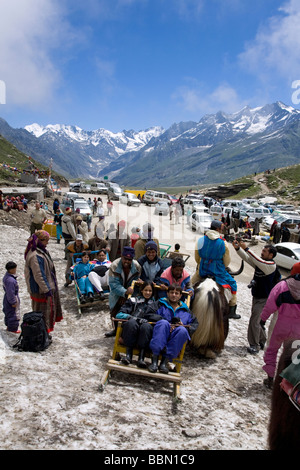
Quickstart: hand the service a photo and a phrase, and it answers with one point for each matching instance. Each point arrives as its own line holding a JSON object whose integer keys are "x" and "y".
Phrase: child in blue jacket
{"x": 171, "y": 333}
{"x": 11, "y": 300}
{"x": 80, "y": 272}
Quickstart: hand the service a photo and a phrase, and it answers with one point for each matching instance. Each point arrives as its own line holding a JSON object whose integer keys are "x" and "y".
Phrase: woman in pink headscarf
{"x": 41, "y": 279}
{"x": 284, "y": 298}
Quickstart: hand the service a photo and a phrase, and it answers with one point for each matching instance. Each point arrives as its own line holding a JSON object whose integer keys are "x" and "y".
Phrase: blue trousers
{"x": 59, "y": 232}
{"x": 85, "y": 285}
{"x": 172, "y": 342}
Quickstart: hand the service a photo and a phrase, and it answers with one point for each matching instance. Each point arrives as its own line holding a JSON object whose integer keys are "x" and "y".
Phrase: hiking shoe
{"x": 252, "y": 350}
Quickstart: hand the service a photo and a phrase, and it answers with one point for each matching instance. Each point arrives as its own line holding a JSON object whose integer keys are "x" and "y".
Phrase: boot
{"x": 268, "y": 382}
{"x": 90, "y": 297}
{"x": 128, "y": 358}
{"x": 232, "y": 314}
{"x": 112, "y": 332}
{"x": 163, "y": 367}
{"x": 82, "y": 299}
{"x": 154, "y": 366}
{"x": 141, "y": 362}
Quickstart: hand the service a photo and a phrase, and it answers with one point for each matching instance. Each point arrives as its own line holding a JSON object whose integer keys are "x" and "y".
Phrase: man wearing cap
{"x": 77, "y": 246}
{"x": 81, "y": 228}
{"x": 67, "y": 226}
{"x": 122, "y": 272}
{"x": 151, "y": 264}
{"x": 146, "y": 235}
{"x": 213, "y": 257}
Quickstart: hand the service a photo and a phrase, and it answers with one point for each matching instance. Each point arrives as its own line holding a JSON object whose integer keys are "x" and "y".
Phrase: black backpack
{"x": 34, "y": 336}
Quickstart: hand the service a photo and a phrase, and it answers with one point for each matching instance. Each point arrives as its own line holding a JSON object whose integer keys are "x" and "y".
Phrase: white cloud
{"x": 29, "y": 33}
{"x": 196, "y": 99}
{"x": 276, "y": 47}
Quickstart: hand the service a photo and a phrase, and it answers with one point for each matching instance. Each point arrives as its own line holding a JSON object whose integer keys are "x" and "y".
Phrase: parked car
{"x": 129, "y": 199}
{"x": 75, "y": 187}
{"x": 152, "y": 197}
{"x": 216, "y": 212}
{"x": 198, "y": 206}
{"x": 85, "y": 188}
{"x": 83, "y": 206}
{"x": 114, "y": 193}
{"x": 200, "y": 221}
{"x": 230, "y": 210}
{"x": 290, "y": 221}
{"x": 288, "y": 254}
{"x": 99, "y": 188}
{"x": 162, "y": 208}
{"x": 257, "y": 212}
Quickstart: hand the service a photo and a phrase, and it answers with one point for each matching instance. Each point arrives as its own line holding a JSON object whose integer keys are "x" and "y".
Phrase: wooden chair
{"x": 115, "y": 364}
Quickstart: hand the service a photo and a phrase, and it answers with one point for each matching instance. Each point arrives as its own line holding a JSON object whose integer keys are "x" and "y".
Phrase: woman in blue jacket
{"x": 171, "y": 333}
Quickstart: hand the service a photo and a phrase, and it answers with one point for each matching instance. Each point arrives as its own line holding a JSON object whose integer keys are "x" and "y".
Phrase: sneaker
{"x": 252, "y": 350}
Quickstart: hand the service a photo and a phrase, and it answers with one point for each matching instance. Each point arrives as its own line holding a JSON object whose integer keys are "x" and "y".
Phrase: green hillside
{"x": 10, "y": 158}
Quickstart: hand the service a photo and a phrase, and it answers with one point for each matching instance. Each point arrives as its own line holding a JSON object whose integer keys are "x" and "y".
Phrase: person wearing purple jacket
{"x": 11, "y": 300}
{"x": 284, "y": 298}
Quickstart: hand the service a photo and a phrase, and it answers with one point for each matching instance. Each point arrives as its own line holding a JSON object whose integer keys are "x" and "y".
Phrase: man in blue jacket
{"x": 173, "y": 331}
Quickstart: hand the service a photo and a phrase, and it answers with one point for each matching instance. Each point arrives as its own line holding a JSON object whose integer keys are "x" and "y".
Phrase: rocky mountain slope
{"x": 219, "y": 148}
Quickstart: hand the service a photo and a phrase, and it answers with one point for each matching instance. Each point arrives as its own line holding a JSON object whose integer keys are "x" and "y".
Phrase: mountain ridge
{"x": 217, "y": 148}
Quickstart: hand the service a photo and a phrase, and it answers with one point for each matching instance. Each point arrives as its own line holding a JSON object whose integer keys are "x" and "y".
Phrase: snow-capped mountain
{"x": 218, "y": 148}
{"x": 80, "y": 153}
{"x": 121, "y": 142}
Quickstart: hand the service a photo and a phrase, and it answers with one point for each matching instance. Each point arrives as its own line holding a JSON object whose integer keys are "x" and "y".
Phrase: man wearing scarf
{"x": 41, "y": 279}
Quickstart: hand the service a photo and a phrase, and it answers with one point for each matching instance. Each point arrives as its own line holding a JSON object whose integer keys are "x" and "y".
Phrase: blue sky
{"x": 133, "y": 64}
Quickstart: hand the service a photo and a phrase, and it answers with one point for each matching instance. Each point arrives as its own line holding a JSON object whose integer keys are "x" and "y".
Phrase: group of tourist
{"x": 7, "y": 203}
{"x": 157, "y": 315}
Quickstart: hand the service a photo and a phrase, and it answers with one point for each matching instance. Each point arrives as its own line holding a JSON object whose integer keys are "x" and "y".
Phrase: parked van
{"x": 216, "y": 212}
{"x": 257, "y": 212}
{"x": 152, "y": 197}
{"x": 114, "y": 192}
{"x": 232, "y": 203}
{"x": 99, "y": 188}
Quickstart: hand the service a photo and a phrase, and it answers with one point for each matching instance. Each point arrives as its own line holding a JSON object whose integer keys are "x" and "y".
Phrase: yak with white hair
{"x": 210, "y": 306}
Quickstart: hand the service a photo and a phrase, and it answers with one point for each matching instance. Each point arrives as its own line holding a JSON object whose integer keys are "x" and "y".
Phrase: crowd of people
{"x": 157, "y": 314}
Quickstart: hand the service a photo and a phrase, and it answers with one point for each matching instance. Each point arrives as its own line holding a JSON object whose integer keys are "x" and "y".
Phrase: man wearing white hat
{"x": 68, "y": 229}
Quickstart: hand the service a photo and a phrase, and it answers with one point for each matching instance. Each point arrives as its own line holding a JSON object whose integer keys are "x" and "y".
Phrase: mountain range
{"x": 219, "y": 148}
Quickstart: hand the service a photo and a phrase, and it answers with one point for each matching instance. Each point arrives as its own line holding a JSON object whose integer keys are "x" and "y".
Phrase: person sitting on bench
{"x": 137, "y": 331}
{"x": 171, "y": 333}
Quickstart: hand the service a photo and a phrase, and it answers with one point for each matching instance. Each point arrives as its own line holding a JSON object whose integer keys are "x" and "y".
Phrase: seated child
{"x": 98, "y": 275}
{"x": 80, "y": 272}
{"x": 137, "y": 331}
